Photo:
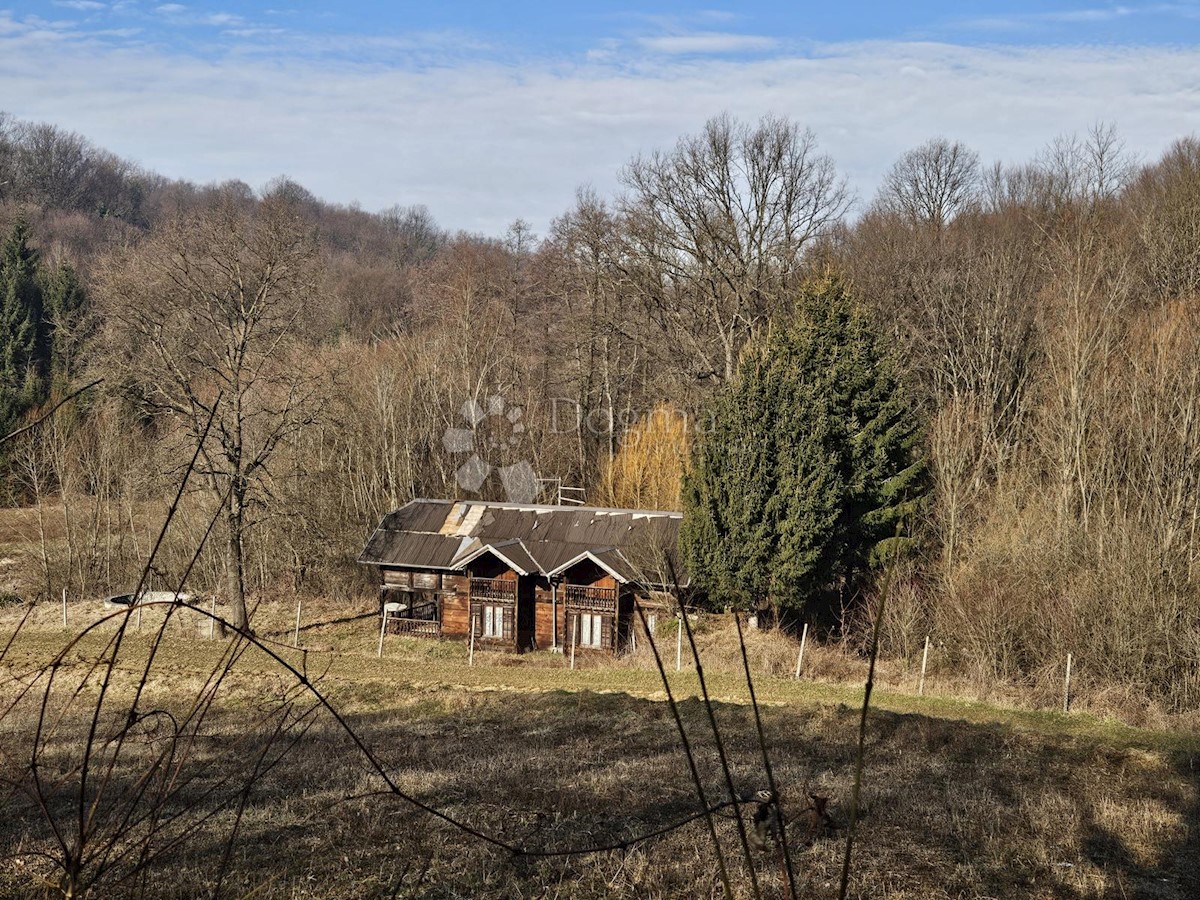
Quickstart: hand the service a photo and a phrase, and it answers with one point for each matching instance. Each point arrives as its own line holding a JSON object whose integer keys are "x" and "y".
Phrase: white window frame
{"x": 493, "y": 621}
{"x": 591, "y": 630}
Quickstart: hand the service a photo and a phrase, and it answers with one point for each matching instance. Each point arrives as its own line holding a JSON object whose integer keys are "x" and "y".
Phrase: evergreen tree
{"x": 23, "y": 334}
{"x": 809, "y": 463}
{"x": 64, "y": 303}
{"x": 730, "y": 489}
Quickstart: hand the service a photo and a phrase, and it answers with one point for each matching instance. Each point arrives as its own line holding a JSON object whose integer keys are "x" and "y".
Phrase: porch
{"x": 591, "y": 618}
{"x": 415, "y": 614}
{"x": 493, "y": 609}
{"x": 590, "y": 597}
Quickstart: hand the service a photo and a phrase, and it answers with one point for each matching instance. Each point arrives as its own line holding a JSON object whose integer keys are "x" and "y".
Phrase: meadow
{"x": 324, "y": 770}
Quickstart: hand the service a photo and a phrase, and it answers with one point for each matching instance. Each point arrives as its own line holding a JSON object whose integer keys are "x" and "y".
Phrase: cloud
{"x": 1100, "y": 14}
{"x": 482, "y": 142}
{"x": 81, "y": 5}
{"x": 222, "y": 19}
{"x": 170, "y": 9}
{"x": 710, "y": 42}
{"x": 1082, "y": 17}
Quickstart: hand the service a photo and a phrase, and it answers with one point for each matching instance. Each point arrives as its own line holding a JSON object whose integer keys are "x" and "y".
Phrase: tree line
{"x": 1032, "y": 331}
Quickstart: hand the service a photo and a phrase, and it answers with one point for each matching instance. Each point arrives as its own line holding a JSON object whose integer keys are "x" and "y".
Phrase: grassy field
{"x": 960, "y": 799}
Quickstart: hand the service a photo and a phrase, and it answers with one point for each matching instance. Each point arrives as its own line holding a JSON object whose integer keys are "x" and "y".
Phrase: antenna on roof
{"x": 563, "y": 495}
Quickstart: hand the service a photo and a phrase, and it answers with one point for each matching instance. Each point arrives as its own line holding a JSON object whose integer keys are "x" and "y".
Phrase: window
{"x": 493, "y": 621}
{"x": 590, "y": 628}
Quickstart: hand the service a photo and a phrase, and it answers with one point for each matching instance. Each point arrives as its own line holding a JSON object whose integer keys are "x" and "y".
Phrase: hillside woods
{"x": 1043, "y": 318}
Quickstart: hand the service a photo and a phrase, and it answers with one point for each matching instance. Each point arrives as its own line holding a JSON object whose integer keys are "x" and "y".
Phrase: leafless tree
{"x": 1166, "y": 208}
{"x": 717, "y": 227}
{"x": 205, "y": 315}
{"x": 933, "y": 183}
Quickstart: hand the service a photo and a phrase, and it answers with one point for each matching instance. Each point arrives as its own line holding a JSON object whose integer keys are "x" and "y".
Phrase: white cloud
{"x": 1088, "y": 16}
{"x": 170, "y": 8}
{"x": 81, "y": 5}
{"x": 483, "y": 143}
{"x": 222, "y": 19}
{"x": 708, "y": 42}
{"x": 1099, "y": 14}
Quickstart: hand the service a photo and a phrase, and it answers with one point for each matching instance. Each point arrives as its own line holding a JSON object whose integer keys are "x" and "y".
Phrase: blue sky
{"x": 493, "y": 111}
{"x": 567, "y": 29}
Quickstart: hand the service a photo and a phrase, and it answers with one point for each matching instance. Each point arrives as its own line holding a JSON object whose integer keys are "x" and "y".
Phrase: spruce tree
{"x": 809, "y": 463}
{"x": 23, "y": 336}
{"x": 730, "y": 491}
{"x": 64, "y": 304}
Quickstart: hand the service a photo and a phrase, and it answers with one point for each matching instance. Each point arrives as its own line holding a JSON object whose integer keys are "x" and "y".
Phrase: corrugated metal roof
{"x": 412, "y": 548}
{"x": 444, "y": 534}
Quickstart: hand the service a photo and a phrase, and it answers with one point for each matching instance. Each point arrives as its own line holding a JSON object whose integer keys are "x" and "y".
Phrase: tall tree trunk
{"x": 235, "y": 563}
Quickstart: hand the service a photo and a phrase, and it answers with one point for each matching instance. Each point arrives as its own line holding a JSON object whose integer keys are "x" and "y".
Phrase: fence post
{"x": 679, "y": 641}
{"x": 800, "y": 655}
{"x": 471, "y": 643}
{"x": 382, "y": 627}
{"x": 296, "y": 635}
{"x": 574, "y": 631}
{"x": 1067, "y": 687}
{"x": 64, "y": 607}
{"x": 924, "y": 663}
{"x": 212, "y": 622}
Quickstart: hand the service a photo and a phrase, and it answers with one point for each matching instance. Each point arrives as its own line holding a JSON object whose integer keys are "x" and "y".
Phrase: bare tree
{"x": 205, "y": 314}
{"x": 933, "y": 183}
{"x": 1166, "y": 207}
{"x": 717, "y": 227}
{"x": 8, "y": 152}
{"x": 602, "y": 329}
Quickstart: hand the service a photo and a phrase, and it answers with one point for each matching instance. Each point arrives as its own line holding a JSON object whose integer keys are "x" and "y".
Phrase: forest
{"x": 1041, "y": 318}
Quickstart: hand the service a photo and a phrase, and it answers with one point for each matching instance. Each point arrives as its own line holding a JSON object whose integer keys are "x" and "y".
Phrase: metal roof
{"x": 442, "y": 534}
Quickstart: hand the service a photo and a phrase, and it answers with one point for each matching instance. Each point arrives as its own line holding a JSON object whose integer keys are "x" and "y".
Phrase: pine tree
{"x": 23, "y": 335}
{"x": 729, "y": 491}
{"x": 810, "y": 462}
{"x": 64, "y": 304}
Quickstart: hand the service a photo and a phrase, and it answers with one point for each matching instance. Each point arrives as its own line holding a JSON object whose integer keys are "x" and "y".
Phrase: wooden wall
{"x": 454, "y": 597}
{"x": 543, "y": 630}
{"x": 455, "y": 615}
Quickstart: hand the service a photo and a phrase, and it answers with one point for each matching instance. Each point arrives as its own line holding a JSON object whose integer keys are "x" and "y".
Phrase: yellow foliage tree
{"x": 647, "y": 469}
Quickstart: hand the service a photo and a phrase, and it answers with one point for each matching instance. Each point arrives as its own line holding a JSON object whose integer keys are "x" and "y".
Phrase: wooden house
{"x": 523, "y": 576}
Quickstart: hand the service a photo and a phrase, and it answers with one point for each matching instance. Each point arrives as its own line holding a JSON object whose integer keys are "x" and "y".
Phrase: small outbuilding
{"x": 523, "y": 576}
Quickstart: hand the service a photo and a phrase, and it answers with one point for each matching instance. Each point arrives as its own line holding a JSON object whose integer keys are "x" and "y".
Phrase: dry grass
{"x": 1012, "y": 804}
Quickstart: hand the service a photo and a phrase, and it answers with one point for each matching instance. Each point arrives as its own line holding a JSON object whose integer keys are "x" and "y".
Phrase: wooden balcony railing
{"x": 415, "y": 627}
{"x": 502, "y": 590}
{"x": 585, "y": 596}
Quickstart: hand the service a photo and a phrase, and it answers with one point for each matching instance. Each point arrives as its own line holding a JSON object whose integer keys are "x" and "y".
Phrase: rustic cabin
{"x": 521, "y": 576}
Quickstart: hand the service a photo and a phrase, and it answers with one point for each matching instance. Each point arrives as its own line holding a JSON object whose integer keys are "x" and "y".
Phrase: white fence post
{"x": 212, "y": 621}
{"x": 574, "y": 633}
{"x": 64, "y": 607}
{"x": 924, "y": 663}
{"x": 679, "y": 642}
{"x": 382, "y": 627}
{"x": 1067, "y": 687}
{"x": 800, "y": 655}
{"x": 471, "y": 642}
{"x": 296, "y": 635}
